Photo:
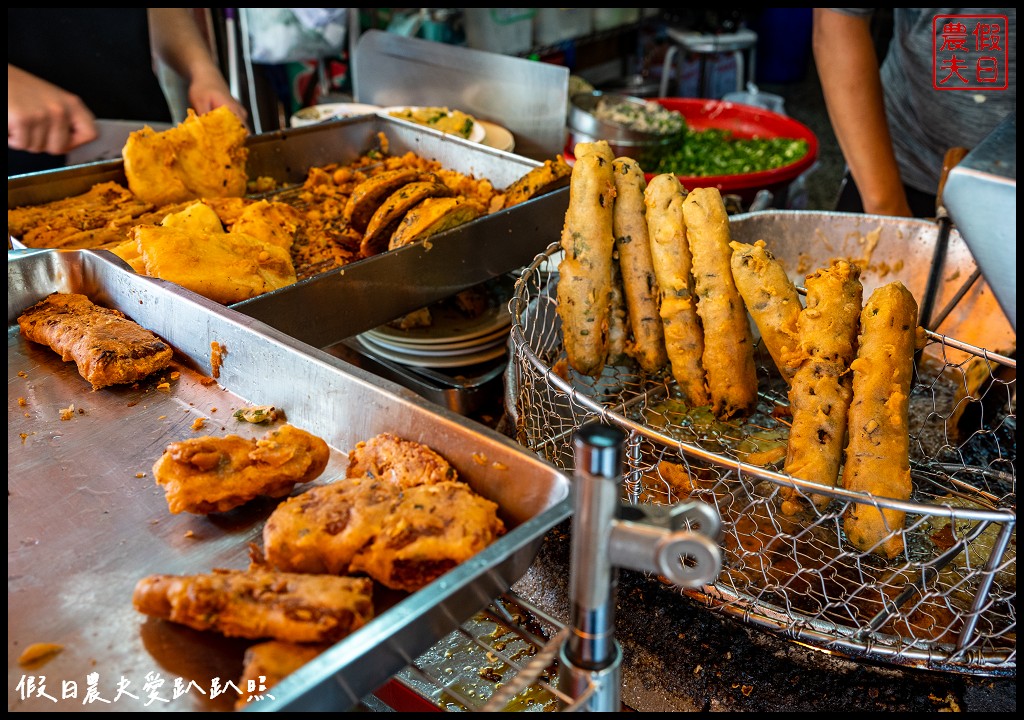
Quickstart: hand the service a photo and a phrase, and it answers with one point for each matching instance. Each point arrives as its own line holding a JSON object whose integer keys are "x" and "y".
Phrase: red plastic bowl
{"x": 745, "y": 121}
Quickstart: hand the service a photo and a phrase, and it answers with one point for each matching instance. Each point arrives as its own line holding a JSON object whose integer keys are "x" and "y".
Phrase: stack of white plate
{"x": 451, "y": 340}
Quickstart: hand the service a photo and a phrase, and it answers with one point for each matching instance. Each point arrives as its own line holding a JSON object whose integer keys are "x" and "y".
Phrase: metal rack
{"x": 947, "y": 603}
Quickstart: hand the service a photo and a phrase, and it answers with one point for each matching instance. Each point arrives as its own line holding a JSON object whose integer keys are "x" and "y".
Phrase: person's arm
{"x": 179, "y": 43}
{"x": 42, "y": 117}
{"x": 847, "y": 66}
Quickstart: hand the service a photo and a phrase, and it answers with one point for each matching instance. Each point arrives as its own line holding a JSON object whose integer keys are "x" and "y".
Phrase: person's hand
{"x": 42, "y": 117}
{"x": 208, "y": 91}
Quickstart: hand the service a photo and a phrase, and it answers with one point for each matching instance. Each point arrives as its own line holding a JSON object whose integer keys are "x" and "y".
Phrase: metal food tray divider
{"x": 99, "y": 523}
{"x": 799, "y": 604}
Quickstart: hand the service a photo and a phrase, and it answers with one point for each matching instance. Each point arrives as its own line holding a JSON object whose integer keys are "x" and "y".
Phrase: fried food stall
{"x": 796, "y": 618}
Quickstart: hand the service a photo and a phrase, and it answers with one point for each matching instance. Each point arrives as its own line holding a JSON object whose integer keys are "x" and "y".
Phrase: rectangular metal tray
{"x": 362, "y": 295}
{"x": 86, "y": 520}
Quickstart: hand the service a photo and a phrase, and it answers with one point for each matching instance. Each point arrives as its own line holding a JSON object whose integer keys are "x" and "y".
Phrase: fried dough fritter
{"x": 267, "y": 663}
{"x": 401, "y": 516}
{"x": 322, "y": 529}
{"x": 215, "y": 474}
{"x": 107, "y": 346}
{"x": 403, "y": 463}
{"x": 430, "y": 530}
{"x": 258, "y": 604}
{"x": 204, "y": 156}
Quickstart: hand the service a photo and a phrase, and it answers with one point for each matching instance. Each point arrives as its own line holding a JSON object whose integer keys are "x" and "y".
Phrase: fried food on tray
{"x": 368, "y": 195}
{"x": 433, "y": 216}
{"x": 100, "y": 216}
{"x": 386, "y": 218}
{"x": 771, "y": 298}
{"x": 552, "y": 175}
{"x": 728, "y": 342}
{"x": 272, "y": 223}
{"x": 639, "y": 283}
{"x": 670, "y": 253}
{"x": 215, "y": 474}
{"x": 585, "y": 271}
{"x": 619, "y": 332}
{"x": 820, "y": 395}
{"x": 204, "y": 156}
{"x": 259, "y": 604}
{"x": 430, "y": 530}
{"x": 878, "y": 453}
{"x": 108, "y": 348}
{"x": 192, "y": 249}
{"x": 265, "y": 664}
{"x": 403, "y": 463}
{"x": 401, "y": 516}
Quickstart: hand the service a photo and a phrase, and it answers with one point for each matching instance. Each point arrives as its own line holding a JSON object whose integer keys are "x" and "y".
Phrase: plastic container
{"x": 508, "y": 31}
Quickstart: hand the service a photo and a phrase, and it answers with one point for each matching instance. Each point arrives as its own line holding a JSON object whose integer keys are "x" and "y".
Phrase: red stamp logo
{"x": 970, "y": 52}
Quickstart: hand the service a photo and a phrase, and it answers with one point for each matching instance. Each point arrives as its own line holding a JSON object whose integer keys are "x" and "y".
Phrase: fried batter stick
{"x": 878, "y": 454}
{"x": 670, "y": 253}
{"x": 108, "y": 348}
{"x": 770, "y": 297}
{"x": 638, "y": 279}
{"x": 215, "y": 474}
{"x": 585, "y": 272}
{"x": 728, "y": 343}
{"x": 820, "y": 395}
{"x": 260, "y": 604}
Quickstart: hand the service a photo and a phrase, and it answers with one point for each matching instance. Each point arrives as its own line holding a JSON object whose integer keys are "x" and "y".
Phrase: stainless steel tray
{"x": 362, "y": 295}
{"x": 86, "y": 520}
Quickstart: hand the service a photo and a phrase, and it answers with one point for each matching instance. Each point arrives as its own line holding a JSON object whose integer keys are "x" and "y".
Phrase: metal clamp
{"x": 678, "y": 543}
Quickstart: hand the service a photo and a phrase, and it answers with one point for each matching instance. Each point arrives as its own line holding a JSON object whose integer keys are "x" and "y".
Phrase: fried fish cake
{"x": 215, "y": 474}
{"x": 260, "y": 604}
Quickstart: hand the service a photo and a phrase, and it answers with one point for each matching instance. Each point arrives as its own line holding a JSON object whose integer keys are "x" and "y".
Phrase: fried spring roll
{"x": 820, "y": 395}
{"x": 670, "y": 253}
{"x": 728, "y": 342}
{"x": 878, "y": 454}
{"x": 639, "y": 282}
{"x": 771, "y": 298}
{"x": 585, "y": 272}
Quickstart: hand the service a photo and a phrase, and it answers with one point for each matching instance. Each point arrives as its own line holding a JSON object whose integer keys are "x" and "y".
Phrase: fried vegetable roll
{"x": 585, "y": 272}
{"x": 618, "y": 318}
{"x": 728, "y": 342}
{"x": 820, "y": 395}
{"x": 878, "y": 454}
{"x": 638, "y": 280}
{"x": 770, "y": 297}
{"x": 670, "y": 253}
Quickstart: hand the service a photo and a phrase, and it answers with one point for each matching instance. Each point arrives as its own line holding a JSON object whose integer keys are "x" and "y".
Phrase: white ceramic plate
{"x": 497, "y": 137}
{"x": 330, "y": 111}
{"x": 406, "y": 345}
{"x": 477, "y": 134}
{"x": 428, "y": 361}
{"x": 434, "y": 350}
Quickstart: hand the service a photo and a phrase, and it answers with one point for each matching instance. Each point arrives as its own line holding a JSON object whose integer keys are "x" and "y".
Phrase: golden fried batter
{"x": 403, "y": 463}
{"x": 215, "y": 474}
{"x": 204, "y": 156}
{"x": 107, "y": 347}
{"x": 258, "y": 604}
{"x": 322, "y": 529}
{"x": 430, "y": 530}
{"x": 267, "y": 663}
{"x": 401, "y": 517}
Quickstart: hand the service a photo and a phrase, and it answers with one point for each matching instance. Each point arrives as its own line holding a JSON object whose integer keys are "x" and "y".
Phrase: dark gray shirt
{"x": 925, "y": 122}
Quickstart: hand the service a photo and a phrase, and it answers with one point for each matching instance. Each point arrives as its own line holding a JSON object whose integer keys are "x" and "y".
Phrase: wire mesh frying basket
{"x": 947, "y": 602}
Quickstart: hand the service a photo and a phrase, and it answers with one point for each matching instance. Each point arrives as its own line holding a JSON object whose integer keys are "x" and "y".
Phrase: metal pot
{"x": 585, "y": 126}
